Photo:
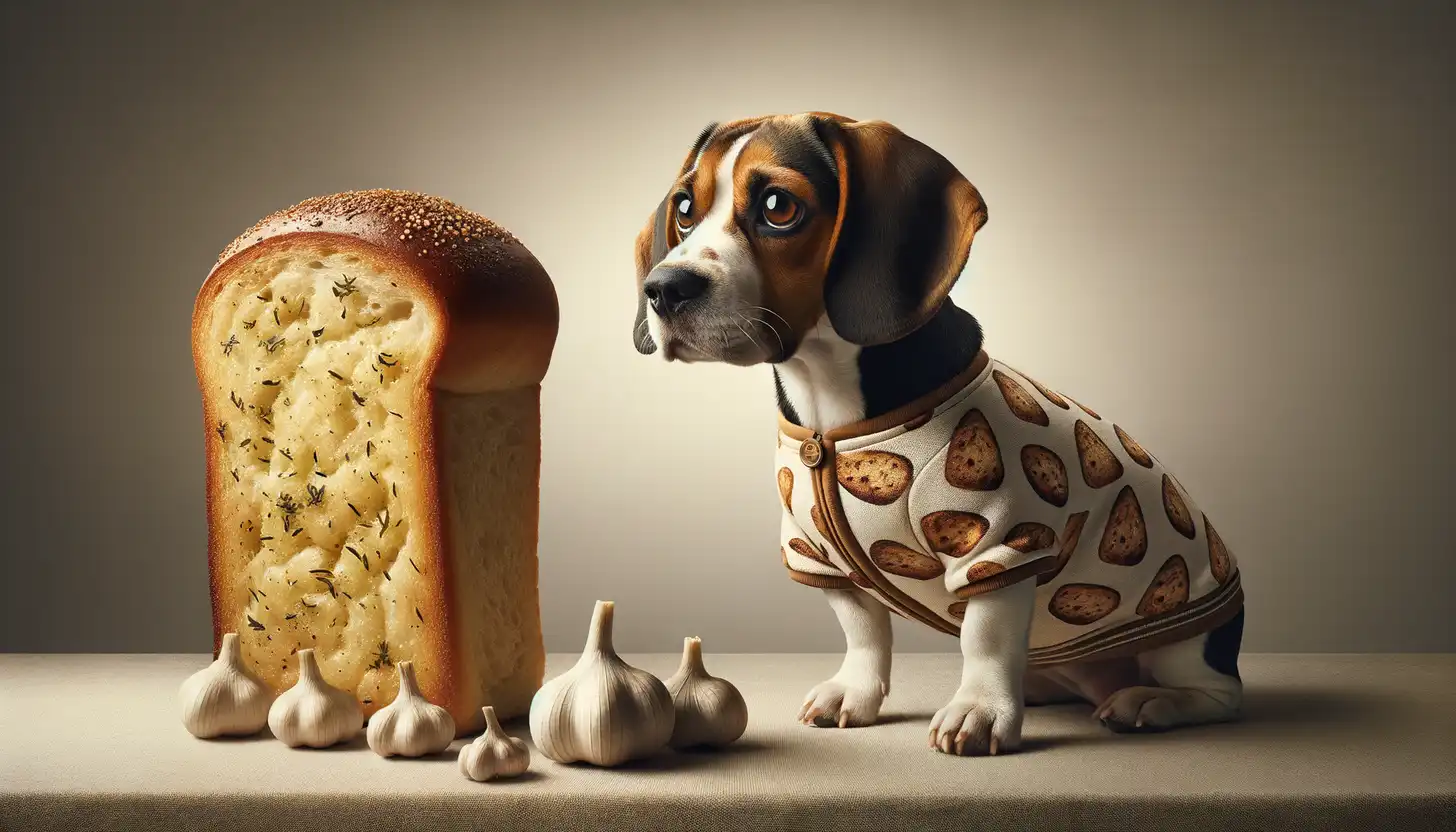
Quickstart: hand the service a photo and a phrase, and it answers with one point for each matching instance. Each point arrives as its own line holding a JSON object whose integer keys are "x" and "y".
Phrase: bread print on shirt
{"x": 1030, "y": 537}
{"x": 809, "y": 550}
{"x": 1085, "y": 409}
{"x": 973, "y": 460}
{"x": 1169, "y": 589}
{"x": 1133, "y": 449}
{"x": 899, "y": 559}
{"x": 1218, "y": 557}
{"x": 1070, "y": 537}
{"x": 1176, "y": 509}
{"x": 1046, "y": 473}
{"x": 953, "y": 533}
{"x": 1022, "y": 403}
{"x": 877, "y": 477}
{"x": 1051, "y": 395}
{"x": 1083, "y": 603}
{"x": 786, "y": 489}
{"x": 925, "y": 511}
{"x": 1125, "y": 540}
{"x": 1099, "y": 466}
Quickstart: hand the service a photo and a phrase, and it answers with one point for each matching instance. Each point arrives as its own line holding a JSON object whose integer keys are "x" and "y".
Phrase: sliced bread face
{"x": 324, "y": 534}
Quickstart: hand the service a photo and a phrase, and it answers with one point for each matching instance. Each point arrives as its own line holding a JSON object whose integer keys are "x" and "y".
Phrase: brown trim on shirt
{"x": 1008, "y": 577}
{"x": 899, "y": 415}
{"x": 1200, "y": 616}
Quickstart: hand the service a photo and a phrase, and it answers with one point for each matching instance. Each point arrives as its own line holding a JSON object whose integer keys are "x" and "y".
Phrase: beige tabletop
{"x": 1329, "y": 741}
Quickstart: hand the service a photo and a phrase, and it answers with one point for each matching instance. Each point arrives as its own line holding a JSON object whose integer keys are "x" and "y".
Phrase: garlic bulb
{"x": 602, "y": 711}
{"x": 224, "y": 699}
{"x": 313, "y": 713}
{"x": 494, "y": 753}
{"x": 709, "y": 711}
{"x": 410, "y": 726}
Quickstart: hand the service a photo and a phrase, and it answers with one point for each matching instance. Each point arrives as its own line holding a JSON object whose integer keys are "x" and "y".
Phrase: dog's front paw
{"x": 842, "y": 703}
{"x": 977, "y": 721}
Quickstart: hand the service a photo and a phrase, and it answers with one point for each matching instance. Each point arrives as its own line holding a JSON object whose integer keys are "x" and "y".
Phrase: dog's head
{"x": 776, "y": 223}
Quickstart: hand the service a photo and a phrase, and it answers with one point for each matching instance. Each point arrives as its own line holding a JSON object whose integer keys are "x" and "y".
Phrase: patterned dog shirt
{"x": 994, "y": 479}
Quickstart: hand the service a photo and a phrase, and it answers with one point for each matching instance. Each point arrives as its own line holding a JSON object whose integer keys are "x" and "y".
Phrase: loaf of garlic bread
{"x": 370, "y": 367}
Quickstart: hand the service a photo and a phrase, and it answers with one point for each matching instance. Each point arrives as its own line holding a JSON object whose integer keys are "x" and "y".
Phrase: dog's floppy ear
{"x": 652, "y": 247}
{"x": 903, "y": 231}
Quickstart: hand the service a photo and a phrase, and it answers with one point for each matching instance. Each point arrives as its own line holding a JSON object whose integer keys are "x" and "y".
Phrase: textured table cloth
{"x": 1329, "y": 742}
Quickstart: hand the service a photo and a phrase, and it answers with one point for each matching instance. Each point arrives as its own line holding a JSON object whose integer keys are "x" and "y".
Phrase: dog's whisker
{"x": 766, "y": 325}
{"x": 773, "y": 313}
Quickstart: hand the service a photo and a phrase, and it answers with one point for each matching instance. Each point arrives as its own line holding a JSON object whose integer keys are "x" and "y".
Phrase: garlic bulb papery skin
{"x": 708, "y": 711}
{"x": 602, "y": 711}
{"x": 224, "y": 699}
{"x": 410, "y": 726}
{"x": 494, "y": 754}
{"x": 312, "y": 712}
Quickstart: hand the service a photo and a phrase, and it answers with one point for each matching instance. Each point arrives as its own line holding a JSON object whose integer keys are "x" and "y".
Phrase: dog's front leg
{"x": 853, "y": 695}
{"x": 985, "y": 713}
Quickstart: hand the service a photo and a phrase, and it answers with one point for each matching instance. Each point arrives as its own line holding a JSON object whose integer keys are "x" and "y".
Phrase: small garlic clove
{"x": 602, "y": 711}
{"x": 410, "y": 726}
{"x": 224, "y": 699}
{"x": 494, "y": 754}
{"x": 313, "y": 713}
{"x": 708, "y": 711}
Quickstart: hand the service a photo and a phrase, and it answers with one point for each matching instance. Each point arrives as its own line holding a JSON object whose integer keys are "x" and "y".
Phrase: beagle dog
{"x": 919, "y": 476}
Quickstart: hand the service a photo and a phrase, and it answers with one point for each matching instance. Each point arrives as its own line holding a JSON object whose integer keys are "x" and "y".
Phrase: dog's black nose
{"x": 672, "y": 288}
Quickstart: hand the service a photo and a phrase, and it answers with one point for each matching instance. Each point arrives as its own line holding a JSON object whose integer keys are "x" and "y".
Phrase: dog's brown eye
{"x": 781, "y": 211}
{"x": 683, "y": 211}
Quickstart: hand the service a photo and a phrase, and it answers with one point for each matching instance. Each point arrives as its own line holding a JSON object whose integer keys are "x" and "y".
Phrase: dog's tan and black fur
{"x": 827, "y": 247}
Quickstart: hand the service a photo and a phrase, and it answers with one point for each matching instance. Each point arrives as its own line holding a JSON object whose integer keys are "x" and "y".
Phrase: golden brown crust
{"x": 1219, "y": 561}
{"x": 1134, "y": 450}
{"x": 1030, "y": 537}
{"x": 500, "y": 314}
{"x": 499, "y": 302}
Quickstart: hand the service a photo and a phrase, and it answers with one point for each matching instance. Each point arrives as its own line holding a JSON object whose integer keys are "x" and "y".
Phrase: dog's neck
{"x": 829, "y": 382}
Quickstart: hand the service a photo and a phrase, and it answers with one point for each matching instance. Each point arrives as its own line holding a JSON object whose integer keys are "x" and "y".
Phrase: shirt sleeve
{"x": 1024, "y": 551}
{"x": 805, "y": 560}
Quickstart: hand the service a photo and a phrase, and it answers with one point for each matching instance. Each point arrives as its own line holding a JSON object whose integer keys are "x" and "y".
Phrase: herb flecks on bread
{"x": 370, "y": 366}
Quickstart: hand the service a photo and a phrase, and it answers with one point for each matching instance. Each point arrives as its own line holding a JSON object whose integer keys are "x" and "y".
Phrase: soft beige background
{"x": 1231, "y": 229}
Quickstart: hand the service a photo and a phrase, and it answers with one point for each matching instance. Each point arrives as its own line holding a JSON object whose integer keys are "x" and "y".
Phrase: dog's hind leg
{"x": 1194, "y": 681}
